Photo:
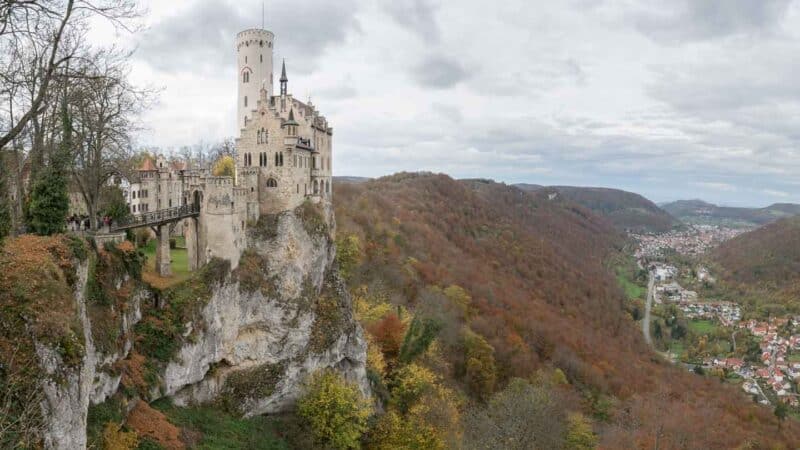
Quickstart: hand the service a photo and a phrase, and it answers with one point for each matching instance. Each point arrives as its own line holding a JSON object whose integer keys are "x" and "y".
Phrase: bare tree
{"x": 39, "y": 41}
{"x": 104, "y": 109}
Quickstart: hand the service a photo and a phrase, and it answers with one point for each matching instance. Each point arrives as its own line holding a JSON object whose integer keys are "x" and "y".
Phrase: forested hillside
{"x": 626, "y": 210}
{"x": 698, "y": 211}
{"x": 517, "y": 287}
{"x": 765, "y": 262}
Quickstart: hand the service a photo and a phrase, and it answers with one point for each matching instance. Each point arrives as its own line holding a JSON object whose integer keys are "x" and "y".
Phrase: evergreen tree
{"x": 49, "y": 203}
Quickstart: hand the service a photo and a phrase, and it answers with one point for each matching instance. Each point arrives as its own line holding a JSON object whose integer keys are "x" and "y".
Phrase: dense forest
{"x": 522, "y": 301}
{"x": 628, "y": 211}
{"x": 763, "y": 265}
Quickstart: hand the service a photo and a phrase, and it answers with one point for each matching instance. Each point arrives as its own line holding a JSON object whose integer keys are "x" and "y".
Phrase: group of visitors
{"x": 78, "y": 223}
{"x": 82, "y": 223}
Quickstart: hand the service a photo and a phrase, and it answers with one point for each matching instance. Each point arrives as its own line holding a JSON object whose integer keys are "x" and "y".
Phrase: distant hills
{"x": 348, "y": 179}
{"x": 698, "y": 211}
{"x": 767, "y": 255}
{"x": 626, "y": 210}
{"x": 629, "y": 211}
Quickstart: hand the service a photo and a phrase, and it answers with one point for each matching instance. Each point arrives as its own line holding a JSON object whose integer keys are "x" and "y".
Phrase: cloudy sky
{"x": 677, "y": 99}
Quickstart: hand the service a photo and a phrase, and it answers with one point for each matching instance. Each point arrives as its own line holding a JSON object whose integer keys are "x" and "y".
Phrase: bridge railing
{"x": 158, "y": 216}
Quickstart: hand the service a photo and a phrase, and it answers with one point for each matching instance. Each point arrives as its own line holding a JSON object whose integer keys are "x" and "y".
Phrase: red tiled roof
{"x": 147, "y": 164}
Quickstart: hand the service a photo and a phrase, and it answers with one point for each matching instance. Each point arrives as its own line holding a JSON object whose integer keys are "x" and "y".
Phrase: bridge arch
{"x": 197, "y": 200}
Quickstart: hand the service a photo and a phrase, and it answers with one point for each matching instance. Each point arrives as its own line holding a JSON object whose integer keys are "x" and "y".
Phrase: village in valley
{"x": 713, "y": 336}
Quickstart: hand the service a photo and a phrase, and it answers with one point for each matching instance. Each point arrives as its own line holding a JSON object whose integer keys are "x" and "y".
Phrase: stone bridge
{"x": 161, "y": 222}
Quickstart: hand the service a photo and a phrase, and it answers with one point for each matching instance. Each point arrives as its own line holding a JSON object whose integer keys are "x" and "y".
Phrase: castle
{"x": 283, "y": 158}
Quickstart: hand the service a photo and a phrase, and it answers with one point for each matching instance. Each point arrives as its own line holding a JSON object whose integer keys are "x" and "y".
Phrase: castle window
{"x": 245, "y": 101}
{"x": 262, "y": 58}
{"x": 271, "y": 183}
{"x": 281, "y": 159}
{"x": 276, "y": 160}
{"x": 298, "y": 188}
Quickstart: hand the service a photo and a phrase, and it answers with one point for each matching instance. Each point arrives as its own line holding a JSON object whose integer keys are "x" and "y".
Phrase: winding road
{"x": 648, "y": 305}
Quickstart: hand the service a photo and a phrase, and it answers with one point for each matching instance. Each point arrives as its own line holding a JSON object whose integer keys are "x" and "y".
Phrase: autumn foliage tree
{"x": 334, "y": 410}
{"x": 480, "y": 370}
{"x": 388, "y": 334}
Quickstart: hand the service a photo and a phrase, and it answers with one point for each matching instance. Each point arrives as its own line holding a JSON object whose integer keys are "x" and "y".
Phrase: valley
{"x": 707, "y": 320}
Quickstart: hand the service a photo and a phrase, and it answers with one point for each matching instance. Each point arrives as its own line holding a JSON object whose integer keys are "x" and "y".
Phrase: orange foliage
{"x": 542, "y": 295}
{"x": 388, "y": 333}
{"x": 148, "y": 422}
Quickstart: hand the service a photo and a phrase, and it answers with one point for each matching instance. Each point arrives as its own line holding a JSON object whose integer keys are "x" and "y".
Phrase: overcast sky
{"x": 671, "y": 99}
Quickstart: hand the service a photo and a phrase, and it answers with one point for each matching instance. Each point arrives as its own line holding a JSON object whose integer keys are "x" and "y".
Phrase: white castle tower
{"x": 254, "y": 60}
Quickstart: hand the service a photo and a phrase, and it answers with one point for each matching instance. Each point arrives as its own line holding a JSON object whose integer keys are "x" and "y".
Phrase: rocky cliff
{"x": 244, "y": 340}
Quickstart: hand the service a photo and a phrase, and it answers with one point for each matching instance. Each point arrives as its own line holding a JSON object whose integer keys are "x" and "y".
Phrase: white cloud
{"x": 692, "y": 98}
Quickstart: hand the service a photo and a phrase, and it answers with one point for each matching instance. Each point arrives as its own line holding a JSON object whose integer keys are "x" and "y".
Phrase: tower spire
{"x": 284, "y": 79}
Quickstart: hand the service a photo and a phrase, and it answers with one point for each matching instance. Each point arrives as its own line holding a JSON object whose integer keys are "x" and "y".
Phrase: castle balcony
{"x": 290, "y": 140}
{"x": 317, "y": 173}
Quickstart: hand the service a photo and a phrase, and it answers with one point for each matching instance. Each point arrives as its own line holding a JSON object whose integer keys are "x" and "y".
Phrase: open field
{"x": 702, "y": 326}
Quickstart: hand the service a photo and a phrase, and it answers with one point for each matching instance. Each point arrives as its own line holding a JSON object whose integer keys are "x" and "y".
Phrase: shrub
{"x": 579, "y": 433}
{"x": 348, "y": 253}
{"x": 395, "y": 432}
{"x": 335, "y": 410}
{"x": 481, "y": 372}
{"x": 410, "y": 383}
{"x": 116, "y": 439}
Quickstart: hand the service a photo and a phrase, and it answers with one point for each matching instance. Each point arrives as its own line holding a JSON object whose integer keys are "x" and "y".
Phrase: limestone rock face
{"x": 68, "y": 391}
{"x": 281, "y": 315}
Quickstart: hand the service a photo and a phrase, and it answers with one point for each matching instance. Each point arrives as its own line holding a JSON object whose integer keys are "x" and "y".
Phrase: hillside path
{"x": 648, "y": 305}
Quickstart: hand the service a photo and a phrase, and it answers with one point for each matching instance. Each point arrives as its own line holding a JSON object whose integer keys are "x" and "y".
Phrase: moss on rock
{"x": 248, "y": 384}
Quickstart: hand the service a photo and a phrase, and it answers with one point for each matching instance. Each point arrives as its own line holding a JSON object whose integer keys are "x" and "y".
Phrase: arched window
{"x": 316, "y": 187}
{"x": 271, "y": 183}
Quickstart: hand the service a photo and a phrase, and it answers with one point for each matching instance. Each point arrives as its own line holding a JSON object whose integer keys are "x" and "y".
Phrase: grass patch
{"x": 630, "y": 278}
{"x": 677, "y": 348}
{"x": 180, "y": 265}
{"x": 218, "y": 430}
{"x": 703, "y": 326}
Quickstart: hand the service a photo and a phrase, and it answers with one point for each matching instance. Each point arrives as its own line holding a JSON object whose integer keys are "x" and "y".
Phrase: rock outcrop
{"x": 244, "y": 340}
{"x": 281, "y": 315}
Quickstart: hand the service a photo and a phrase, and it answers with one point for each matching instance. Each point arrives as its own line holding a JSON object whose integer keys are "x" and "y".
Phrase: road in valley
{"x": 651, "y": 291}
